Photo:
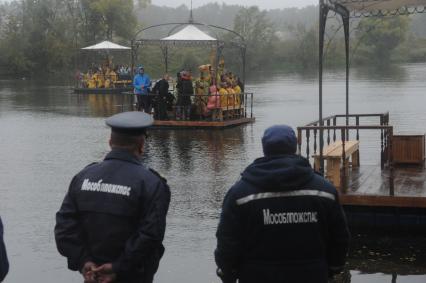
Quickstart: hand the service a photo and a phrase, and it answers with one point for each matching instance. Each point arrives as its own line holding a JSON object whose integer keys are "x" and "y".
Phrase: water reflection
{"x": 49, "y": 133}
{"x": 105, "y": 104}
{"x": 382, "y": 73}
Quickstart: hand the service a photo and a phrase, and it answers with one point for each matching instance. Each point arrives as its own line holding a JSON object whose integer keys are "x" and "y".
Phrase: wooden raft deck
{"x": 368, "y": 205}
{"x": 202, "y": 124}
{"x": 102, "y": 90}
{"x": 369, "y": 185}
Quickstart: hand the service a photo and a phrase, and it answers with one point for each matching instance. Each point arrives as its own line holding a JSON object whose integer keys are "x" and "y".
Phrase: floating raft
{"x": 202, "y": 124}
{"x": 102, "y": 90}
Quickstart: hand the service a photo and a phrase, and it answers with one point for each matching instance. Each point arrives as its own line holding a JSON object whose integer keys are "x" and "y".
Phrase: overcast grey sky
{"x": 263, "y": 4}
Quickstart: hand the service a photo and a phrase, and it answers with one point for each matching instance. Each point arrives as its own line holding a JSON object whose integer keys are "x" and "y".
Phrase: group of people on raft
{"x": 105, "y": 76}
{"x": 205, "y": 98}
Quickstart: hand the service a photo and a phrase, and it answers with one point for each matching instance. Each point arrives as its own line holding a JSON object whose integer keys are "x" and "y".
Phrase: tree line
{"x": 43, "y": 36}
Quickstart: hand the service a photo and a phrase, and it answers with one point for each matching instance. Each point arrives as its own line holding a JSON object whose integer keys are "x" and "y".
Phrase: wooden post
{"x": 382, "y": 148}
{"x": 391, "y": 169}
{"x": 307, "y": 143}
{"x": 357, "y": 130}
{"x": 299, "y": 141}
{"x": 251, "y": 106}
{"x": 315, "y": 140}
{"x": 334, "y": 130}
{"x": 328, "y": 132}
{"x": 344, "y": 163}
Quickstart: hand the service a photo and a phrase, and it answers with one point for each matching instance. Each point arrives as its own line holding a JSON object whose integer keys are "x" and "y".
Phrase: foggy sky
{"x": 263, "y": 4}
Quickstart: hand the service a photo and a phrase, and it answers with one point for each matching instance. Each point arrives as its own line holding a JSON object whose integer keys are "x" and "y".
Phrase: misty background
{"x": 44, "y": 37}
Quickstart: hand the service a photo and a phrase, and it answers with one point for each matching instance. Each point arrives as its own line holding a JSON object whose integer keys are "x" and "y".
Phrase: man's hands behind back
{"x": 98, "y": 274}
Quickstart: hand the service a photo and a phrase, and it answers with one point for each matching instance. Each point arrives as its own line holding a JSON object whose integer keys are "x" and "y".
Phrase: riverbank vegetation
{"x": 44, "y": 36}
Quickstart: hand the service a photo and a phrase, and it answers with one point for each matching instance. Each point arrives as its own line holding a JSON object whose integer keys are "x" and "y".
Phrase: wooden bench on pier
{"x": 333, "y": 155}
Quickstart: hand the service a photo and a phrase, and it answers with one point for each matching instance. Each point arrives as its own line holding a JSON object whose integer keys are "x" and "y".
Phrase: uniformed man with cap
{"x": 281, "y": 223}
{"x": 112, "y": 221}
{"x": 4, "y": 263}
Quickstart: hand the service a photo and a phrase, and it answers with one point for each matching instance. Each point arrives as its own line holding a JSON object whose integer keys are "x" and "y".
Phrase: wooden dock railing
{"x": 333, "y": 131}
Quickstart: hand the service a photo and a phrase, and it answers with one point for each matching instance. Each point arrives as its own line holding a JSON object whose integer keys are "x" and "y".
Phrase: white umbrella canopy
{"x": 189, "y": 33}
{"x": 106, "y": 45}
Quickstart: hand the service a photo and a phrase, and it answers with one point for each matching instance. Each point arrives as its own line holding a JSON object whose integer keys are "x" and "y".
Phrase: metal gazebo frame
{"x": 355, "y": 9}
{"x": 219, "y": 45}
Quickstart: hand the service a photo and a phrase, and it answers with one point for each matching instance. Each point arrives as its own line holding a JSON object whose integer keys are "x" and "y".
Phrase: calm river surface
{"x": 47, "y": 134}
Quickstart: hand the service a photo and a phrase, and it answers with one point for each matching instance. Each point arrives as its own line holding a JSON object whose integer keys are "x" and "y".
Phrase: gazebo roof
{"x": 381, "y": 7}
{"x": 106, "y": 45}
{"x": 189, "y": 33}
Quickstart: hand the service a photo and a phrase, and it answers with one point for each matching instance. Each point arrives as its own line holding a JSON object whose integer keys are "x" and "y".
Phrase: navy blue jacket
{"x": 4, "y": 263}
{"x": 281, "y": 223}
{"x": 115, "y": 212}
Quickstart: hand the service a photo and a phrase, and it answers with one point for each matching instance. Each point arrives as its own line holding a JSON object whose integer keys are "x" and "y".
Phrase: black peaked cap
{"x": 130, "y": 123}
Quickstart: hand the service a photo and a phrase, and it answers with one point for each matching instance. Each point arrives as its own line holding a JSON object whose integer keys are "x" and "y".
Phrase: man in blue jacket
{"x": 112, "y": 221}
{"x": 281, "y": 223}
{"x": 4, "y": 263}
{"x": 142, "y": 84}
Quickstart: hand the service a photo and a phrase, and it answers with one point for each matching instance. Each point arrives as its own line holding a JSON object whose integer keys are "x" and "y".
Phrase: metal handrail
{"x": 239, "y": 102}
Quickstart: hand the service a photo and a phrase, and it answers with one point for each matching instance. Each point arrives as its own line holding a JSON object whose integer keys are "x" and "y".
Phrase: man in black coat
{"x": 185, "y": 90}
{"x": 161, "y": 88}
{"x": 112, "y": 221}
{"x": 4, "y": 263}
{"x": 281, "y": 223}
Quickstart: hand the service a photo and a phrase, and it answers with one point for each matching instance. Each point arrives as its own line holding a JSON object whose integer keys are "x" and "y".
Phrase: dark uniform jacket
{"x": 161, "y": 88}
{"x": 281, "y": 223}
{"x": 185, "y": 90}
{"x": 4, "y": 263}
{"x": 115, "y": 211}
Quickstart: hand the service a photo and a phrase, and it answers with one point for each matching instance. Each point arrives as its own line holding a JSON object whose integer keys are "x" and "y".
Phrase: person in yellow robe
{"x": 231, "y": 95}
{"x": 223, "y": 95}
{"x": 238, "y": 92}
{"x": 99, "y": 78}
{"x": 91, "y": 80}
{"x": 107, "y": 81}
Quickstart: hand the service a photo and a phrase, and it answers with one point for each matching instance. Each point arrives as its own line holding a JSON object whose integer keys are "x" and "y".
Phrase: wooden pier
{"x": 387, "y": 196}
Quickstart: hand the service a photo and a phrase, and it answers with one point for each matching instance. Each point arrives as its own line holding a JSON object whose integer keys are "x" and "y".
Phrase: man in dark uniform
{"x": 161, "y": 88}
{"x": 281, "y": 223}
{"x": 112, "y": 221}
{"x": 4, "y": 263}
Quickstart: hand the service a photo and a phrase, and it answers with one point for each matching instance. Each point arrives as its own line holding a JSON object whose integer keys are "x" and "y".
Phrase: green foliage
{"x": 42, "y": 36}
{"x": 114, "y": 17}
{"x": 306, "y": 48}
{"x": 259, "y": 34}
{"x": 381, "y": 36}
{"x": 12, "y": 47}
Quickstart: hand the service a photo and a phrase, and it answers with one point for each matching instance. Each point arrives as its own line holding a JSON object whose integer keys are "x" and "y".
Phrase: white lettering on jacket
{"x": 105, "y": 188}
{"x": 289, "y": 217}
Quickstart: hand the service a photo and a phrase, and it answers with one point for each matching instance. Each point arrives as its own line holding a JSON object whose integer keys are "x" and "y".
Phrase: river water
{"x": 47, "y": 134}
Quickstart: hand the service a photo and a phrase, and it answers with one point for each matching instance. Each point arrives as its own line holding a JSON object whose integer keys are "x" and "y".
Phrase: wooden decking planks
{"x": 380, "y": 201}
{"x": 369, "y": 186}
